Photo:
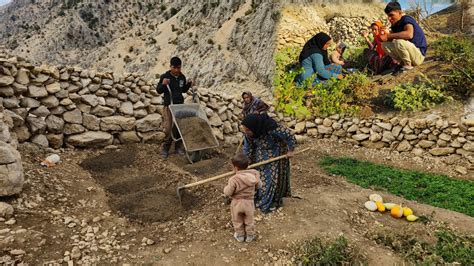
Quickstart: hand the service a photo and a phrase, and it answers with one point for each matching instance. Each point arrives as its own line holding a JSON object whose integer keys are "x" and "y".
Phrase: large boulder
{"x": 90, "y": 139}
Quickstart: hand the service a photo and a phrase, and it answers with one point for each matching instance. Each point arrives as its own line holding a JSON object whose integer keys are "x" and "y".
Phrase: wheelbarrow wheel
{"x": 194, "y": 156}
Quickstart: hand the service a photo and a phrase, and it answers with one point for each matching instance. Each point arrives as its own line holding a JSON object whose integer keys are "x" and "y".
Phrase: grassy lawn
{"x": 433, "y": 189}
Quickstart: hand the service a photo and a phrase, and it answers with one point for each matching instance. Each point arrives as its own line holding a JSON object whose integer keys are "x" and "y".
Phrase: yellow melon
{"x": 407, "y": 211}
{"x": 412, "y": 218}
{"x": 380, "y": 206}
{"x": 375, "y": 197}
{"x": 389, "y": 206}
{"x": 397, "y": 211}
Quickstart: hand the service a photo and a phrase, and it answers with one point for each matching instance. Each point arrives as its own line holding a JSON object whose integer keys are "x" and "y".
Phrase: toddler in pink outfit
{"x": 241, "y": 188}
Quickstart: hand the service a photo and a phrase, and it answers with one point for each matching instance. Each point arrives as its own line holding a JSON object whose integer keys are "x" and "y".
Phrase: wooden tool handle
{"x": 232, "y": 172}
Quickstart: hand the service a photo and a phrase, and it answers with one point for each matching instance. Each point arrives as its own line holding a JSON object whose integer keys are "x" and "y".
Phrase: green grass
{"x": 436, "y": 190}
{"x": 318, "y": 252}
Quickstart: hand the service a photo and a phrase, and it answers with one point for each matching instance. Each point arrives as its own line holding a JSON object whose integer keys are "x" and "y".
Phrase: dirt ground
{"x": 120, "y": 206}
{"x": 196, "y": 133}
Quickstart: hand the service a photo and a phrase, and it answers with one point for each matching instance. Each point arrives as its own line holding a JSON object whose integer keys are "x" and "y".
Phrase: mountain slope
{"x": 226, "y": 45}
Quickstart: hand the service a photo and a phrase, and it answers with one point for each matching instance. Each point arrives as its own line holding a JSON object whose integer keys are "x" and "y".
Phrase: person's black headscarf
{"x": 315, "y": 46}
{"x": 259, "y": 124}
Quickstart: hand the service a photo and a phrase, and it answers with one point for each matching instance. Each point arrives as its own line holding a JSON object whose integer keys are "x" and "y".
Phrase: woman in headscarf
{"x": 265, "y": 139}
{"x": 378, "y": 61}
{"x": 314, "y": 60}
{"x": 252, "y": 104}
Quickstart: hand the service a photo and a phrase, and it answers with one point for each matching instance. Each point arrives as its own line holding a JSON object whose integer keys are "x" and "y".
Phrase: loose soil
{"x": 106, "y": 214}
{"x": 196, "y": 133}
{"x": 144, "y": 198}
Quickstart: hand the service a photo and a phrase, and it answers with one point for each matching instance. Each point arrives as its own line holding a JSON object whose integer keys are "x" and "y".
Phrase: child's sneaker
{"x": 239, "y": 238}
{"x": 250, "y": 238}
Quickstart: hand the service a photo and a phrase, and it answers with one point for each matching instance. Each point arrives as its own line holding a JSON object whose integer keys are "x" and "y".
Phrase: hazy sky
{"x": 2, "y": 2}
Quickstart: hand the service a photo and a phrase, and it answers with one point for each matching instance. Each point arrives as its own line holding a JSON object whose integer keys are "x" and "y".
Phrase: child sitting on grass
{"x": 241, "y": 188}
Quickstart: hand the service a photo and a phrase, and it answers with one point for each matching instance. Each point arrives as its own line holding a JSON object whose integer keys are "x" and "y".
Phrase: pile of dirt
{"x": 196, "y": 133}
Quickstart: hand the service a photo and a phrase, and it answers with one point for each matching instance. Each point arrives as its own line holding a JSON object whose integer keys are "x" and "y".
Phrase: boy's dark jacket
{"x": 178, "y": 86}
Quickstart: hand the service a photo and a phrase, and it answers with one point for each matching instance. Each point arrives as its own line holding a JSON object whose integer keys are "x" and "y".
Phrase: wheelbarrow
{"x": 182, "y": 112}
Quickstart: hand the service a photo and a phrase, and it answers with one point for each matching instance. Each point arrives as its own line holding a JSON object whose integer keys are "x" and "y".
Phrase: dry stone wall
{"x": 66, "y": 106}
{"x": 432, "y": 134}
{"x": 58, "y": 107}
{"x": 11, "y": 169}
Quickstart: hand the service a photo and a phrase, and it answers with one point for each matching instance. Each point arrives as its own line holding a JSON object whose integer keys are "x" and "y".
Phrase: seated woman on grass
{"x": 314, "y": 60}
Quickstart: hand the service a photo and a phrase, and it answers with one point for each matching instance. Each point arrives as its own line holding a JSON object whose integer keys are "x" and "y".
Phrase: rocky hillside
{"x": 226, "y": 45}
{"x": 216, "y": 39}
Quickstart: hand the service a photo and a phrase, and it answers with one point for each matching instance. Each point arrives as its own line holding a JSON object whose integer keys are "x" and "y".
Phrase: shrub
{"x": 210, "y": 41}
{"x": 173, "y": 11}
{"x": 460, "y": 52}
{"x": 414, "y": 97}
{"x": 453, "y": 47}
{"x": 288, "y": 97}
{"x": 334, "y": 96}
{"x": 356, "y": 58}
{"x": 329, "y": 98}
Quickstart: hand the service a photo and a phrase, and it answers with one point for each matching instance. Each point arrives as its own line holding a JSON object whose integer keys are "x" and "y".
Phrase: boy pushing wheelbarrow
{"x": 172, "y": 82}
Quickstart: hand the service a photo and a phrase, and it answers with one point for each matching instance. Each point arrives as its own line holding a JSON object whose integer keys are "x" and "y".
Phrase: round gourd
{"x": 397, "y": 211}
{"x": 407, "y": 211}
{"x": 412, "y": 218}
{"x": 370, "y": 205}
{"x": 375, "y": 197}
{"x": 389, "y": 206}
{"x": 380, "y": 206}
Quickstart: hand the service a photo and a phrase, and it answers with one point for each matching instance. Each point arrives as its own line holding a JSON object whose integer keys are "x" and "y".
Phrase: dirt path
{"x": 122, "y": 209}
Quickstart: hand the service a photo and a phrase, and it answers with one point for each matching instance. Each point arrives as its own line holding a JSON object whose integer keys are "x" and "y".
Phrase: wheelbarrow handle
{"x": 232, "y": 172}
{"x": 171, "y": 95}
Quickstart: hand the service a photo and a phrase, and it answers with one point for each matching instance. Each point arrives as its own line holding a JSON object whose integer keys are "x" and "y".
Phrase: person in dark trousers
{"x": 178, "y": 85}
{"x": 406, "y": 43}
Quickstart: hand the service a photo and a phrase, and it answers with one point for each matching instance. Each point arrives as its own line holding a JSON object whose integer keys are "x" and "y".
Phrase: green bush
{"x": 334, "y": 96}
{"x": 413, "y": 97}
{"x": 453, "y": 47}
{"x": 288, "y": 97}
{"x": 460, "y": 52}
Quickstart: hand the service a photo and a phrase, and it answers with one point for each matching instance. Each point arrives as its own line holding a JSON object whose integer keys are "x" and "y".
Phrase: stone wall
{"x": 297, "y": 25}
{"x": 59, "y": 107}
{"x": 432, "y": 134}
{"x": 65, "y": 106}
{"x": 11, "y": 169}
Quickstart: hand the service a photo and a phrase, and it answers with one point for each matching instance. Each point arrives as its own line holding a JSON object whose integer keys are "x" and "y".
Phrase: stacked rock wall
{"x": 57, "y": 107}
{"x": 11, "y": 169}
{"x": 433, "y": 134}
{"x": 297, "y": 25}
